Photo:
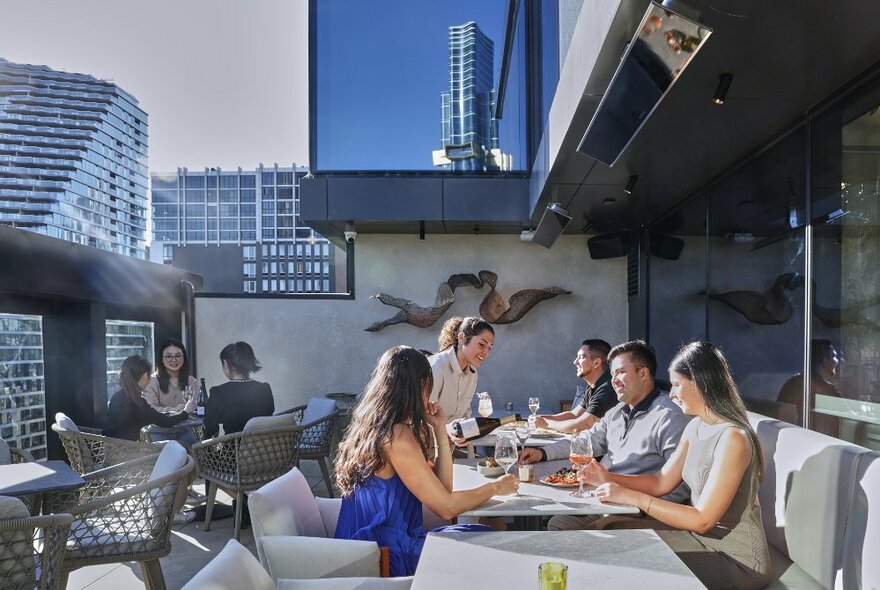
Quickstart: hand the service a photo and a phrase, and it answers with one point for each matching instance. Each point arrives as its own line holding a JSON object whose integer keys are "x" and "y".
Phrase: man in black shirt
{"x": 591, "y": 364}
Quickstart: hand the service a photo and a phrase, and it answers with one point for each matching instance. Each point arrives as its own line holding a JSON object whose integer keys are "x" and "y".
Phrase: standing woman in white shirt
{"x": 464, "y": 344}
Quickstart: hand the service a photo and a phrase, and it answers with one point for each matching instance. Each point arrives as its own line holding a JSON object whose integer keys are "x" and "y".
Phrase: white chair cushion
{"x": 309, "y": 557}
{"x": 317, "y": 408}
{"x": 5, "y": 453}
{"x": 261, "y": 423}
{"x": 64, "y": 422}
{"x": 172, "y": 458}
{"x": 329, "y": 509}
{"x": 234, "y": 568}
{"x": 357, "y": 583}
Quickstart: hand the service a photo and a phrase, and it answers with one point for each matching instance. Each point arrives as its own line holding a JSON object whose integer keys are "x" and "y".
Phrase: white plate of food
{"x": 545, "y": 433}
{"x": 564, "y": 478}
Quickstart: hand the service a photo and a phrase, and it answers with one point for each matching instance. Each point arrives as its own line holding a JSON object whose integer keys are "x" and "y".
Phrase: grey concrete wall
{"x": 311, "y": 347}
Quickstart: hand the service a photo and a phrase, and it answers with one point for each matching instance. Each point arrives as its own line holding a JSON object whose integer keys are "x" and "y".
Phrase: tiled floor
{"x": 192, "y": 548}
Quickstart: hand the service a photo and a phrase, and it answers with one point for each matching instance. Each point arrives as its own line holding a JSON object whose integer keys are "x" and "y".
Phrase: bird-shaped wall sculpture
{"x": 495, "y": 310}
{"x": 424, "y": 317}
{"x": 770, "y": 308}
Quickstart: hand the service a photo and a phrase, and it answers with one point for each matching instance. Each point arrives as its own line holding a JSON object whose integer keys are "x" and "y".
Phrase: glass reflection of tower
{"x": 469, "y": 130}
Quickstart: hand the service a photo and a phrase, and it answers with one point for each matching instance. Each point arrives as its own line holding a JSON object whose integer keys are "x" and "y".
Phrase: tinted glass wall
{"x": 424, "y": 94}
{"x": 779, "y": 269}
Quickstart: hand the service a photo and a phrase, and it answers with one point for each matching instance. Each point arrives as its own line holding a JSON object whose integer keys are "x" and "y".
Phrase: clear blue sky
{"x": 380, "y": 77}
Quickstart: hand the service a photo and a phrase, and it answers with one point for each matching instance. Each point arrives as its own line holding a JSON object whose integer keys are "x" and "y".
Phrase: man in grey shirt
{"x": 636, "y": 436}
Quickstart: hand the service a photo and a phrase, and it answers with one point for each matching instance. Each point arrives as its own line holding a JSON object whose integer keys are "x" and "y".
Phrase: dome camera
{"x": 350, "y": 233}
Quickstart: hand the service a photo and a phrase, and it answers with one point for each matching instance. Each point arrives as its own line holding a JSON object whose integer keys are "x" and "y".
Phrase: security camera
{"x": 350, "y": 236}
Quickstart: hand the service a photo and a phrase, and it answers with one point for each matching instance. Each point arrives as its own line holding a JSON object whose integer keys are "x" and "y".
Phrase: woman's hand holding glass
{"x": 190, "y": 394}
{"x": 435, "y": 416}
{"x": 594, "y": 473}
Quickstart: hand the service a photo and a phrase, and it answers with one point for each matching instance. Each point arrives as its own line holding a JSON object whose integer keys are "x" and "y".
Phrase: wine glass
{"x": 484, "y": 407}
{"x": 522, "y": 431}
{"x": 534, "y": 404}
{"x": 580, "y": 454}
{"x": 506, "y": 453}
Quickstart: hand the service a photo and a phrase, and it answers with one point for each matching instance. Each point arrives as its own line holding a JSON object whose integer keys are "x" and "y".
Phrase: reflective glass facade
{"x": 22, "y": 388}
{"x": 251, "y": 217}
{"x": 73, "y": 158}
{"x": 125, "y": 339}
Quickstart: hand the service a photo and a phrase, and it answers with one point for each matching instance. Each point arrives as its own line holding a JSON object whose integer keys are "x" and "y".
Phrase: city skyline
{"x": 190, "y": 65}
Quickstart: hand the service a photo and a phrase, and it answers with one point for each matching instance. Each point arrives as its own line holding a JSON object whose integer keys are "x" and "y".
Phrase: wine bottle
{"x": 475, "y": 427}
{"x": 201, "y": 400}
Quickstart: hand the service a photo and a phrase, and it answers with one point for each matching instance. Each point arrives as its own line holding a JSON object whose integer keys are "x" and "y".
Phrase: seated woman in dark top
{"x": 129, "y": 411}
{"x": 241, "y": 398}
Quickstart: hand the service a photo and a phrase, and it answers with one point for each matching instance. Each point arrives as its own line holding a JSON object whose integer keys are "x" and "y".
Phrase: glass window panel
{"x": 268, "y": 178}
{"x": 163, "y": 182}
{"x": 124, "y": 339}
{"x": 164, "y": 196}
{"x": 845, "y": 355}
{"x": 212, "y": 181}
{"x": 22, "y": 388}
{"x": 195, "y": 182}
{"x": 228, "y": 181}
{"x": 285, "y": 178}
{"x": 195, "y": 196}
{"x": 248, "y": 181}
{"x": 424, "y": 43}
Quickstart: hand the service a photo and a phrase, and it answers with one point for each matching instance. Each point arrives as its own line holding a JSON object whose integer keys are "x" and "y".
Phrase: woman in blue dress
{"x": 396, "y": 457}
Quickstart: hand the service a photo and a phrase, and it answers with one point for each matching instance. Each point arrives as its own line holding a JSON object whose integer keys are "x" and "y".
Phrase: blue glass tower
{"x": 73, "y": 158}
{"x": 469, "y": 131}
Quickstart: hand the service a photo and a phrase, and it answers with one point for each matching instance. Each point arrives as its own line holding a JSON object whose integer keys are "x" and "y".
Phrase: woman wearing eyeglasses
{"x": 165, "y": 393}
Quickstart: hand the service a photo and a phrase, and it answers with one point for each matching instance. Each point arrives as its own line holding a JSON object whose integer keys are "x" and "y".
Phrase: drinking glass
{"x": 484, "y": 407}
{"x": 580, "y": 454}
{"x": 552, "y": 576}
{"x": 522, "y": 431}
{"x": 534, "y": 404}
{"x": 506, "y": 453}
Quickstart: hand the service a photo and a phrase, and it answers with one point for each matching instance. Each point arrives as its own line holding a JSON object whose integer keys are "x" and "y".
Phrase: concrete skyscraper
{"x": 73, "y": 158}
{"x": 469, "y": 130}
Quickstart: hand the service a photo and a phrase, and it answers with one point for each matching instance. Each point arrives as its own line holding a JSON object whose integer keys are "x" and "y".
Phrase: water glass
{"x": 552, "y": 576}
{"x": 484, "y": 406}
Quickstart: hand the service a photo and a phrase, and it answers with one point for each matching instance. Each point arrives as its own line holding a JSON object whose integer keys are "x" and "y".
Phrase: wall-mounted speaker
{"x": 552, "y": 224}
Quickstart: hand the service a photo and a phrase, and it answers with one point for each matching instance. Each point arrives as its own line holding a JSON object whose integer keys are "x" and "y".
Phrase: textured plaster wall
{"x": 311, "y": 347}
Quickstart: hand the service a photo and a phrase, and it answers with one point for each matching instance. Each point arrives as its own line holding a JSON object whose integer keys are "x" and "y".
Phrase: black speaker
{"x": 611, "y": 245}
{"x": 552, "y": 224}
{"x": 666, "y": 247}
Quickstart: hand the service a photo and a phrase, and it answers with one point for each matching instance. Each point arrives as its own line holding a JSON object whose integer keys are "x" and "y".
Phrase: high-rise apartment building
{"x": 241, "y": 231}
{"x": 73, "y": 158}
{"x": 469, "y": 130}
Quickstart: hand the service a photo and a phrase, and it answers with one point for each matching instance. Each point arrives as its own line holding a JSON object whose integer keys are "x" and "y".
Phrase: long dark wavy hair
{"x": 162, "y": 373}
{"x": 394, "y": 395}
{"x": 133, "y": 368}
{"x": 704, "y": 364}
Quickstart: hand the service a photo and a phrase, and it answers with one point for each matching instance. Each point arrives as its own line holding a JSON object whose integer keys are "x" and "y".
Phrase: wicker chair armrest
{"x": 89, "y": 430}
{"x": 120, "y": 498}
{"x": 21, "y": 455}
{"x": 298, "y": 411}
{"x": 104, "y": 482}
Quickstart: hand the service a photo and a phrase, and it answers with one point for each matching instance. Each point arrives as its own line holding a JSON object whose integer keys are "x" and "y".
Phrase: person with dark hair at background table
{"x": 720, "y": 536}
{"x": 241, "y": 398}
{"x": 591, "y": 364}
{"x": 165, "y": 391}
{"x": 128, "y": 411}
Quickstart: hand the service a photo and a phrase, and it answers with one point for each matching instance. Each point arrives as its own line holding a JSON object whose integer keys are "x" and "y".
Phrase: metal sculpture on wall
{"x": 494, "y": 309}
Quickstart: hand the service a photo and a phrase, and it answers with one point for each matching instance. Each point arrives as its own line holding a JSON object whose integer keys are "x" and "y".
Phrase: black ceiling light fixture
{"x": 724, "y": 81}
{"x": 631, "y": 184}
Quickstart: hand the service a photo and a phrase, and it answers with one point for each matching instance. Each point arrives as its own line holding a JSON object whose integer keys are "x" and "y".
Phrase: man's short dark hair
{"x": 641, "y": 353}
{"x": 598, "y": 348}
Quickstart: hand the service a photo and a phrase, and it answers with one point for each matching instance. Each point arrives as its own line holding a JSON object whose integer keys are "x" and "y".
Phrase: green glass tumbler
{"x": 552, "y": 576}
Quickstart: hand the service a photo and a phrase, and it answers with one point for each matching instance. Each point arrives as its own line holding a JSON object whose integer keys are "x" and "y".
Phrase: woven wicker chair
{"x": 88, "y": 450}
{"x": 124, "y": 513}
{"x": 31, "y": 548}
{"x": 244, "y": 461}
{"x": 23, "y": 456}
{"x": 317, "y": 438}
